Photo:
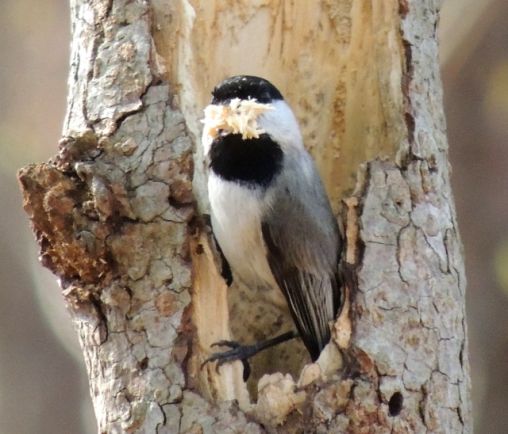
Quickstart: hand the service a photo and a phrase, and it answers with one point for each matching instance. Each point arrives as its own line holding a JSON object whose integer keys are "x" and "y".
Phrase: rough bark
{"x": 117, "y": 214}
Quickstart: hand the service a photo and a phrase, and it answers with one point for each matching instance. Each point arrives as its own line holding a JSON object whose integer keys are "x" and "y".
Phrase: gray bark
{"x": 117, "y": 219}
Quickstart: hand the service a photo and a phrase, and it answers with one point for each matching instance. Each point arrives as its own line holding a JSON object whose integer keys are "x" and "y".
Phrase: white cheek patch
{"x": 238, "y": 117}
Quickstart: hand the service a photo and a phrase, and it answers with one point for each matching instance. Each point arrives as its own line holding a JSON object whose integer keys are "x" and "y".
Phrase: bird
{"x": 270, "y": 214}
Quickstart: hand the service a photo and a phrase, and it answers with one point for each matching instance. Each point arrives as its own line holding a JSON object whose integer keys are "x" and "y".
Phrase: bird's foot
{"x": 245, "y": 352}
{"x": 236, "y": 352}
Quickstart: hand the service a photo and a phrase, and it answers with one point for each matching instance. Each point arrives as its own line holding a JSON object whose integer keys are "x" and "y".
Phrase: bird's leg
{"x": 245, "y": 352}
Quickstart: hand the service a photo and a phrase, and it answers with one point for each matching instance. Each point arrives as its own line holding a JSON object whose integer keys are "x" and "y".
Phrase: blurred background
{"x": 43, "y": 386}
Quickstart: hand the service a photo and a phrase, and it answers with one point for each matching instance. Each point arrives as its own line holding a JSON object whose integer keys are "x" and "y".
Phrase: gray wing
{"x": 303, "y": 244}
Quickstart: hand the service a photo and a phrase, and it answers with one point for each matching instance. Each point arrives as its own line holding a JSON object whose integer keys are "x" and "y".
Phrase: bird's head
{"x": 249, "y": 106}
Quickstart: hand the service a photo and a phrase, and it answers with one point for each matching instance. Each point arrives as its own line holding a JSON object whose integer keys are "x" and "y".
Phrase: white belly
{"x": 236, "y": 222}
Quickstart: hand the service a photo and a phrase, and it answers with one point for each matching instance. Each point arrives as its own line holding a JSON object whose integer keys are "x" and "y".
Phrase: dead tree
{"x": 118, "y": 214}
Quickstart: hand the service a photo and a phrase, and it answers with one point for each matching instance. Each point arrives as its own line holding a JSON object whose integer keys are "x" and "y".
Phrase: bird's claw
{"x": 237, "y": 352}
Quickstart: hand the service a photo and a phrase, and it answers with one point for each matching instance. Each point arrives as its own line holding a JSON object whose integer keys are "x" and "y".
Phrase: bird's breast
{"x": 236, "y": 220}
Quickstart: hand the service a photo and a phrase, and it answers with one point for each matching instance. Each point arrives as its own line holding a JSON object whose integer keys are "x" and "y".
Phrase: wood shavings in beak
{"x": 238, "y": 117}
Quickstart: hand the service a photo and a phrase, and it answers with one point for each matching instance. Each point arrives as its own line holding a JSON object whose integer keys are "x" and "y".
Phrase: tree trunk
{"x": 117, "y": 214}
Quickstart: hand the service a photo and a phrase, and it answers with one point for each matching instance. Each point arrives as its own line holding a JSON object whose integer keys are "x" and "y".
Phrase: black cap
{"x": 245, "y": 87}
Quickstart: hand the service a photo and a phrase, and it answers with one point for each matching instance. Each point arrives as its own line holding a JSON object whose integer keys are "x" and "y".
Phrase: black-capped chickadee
{"x": 269, "y": 210}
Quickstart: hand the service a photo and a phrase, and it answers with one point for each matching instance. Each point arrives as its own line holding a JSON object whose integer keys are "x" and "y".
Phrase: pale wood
{"x": 116, "y": 218}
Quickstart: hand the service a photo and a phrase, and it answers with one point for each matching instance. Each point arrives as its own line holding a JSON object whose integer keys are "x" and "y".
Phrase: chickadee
{"x": 269, "y": 210}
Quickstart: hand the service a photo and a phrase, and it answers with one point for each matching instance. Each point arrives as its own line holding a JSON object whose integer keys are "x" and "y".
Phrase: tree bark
{"x": 117, "y": 214}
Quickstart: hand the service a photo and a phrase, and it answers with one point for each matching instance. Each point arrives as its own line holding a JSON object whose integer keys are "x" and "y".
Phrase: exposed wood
{"x": 117, "y": 215}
